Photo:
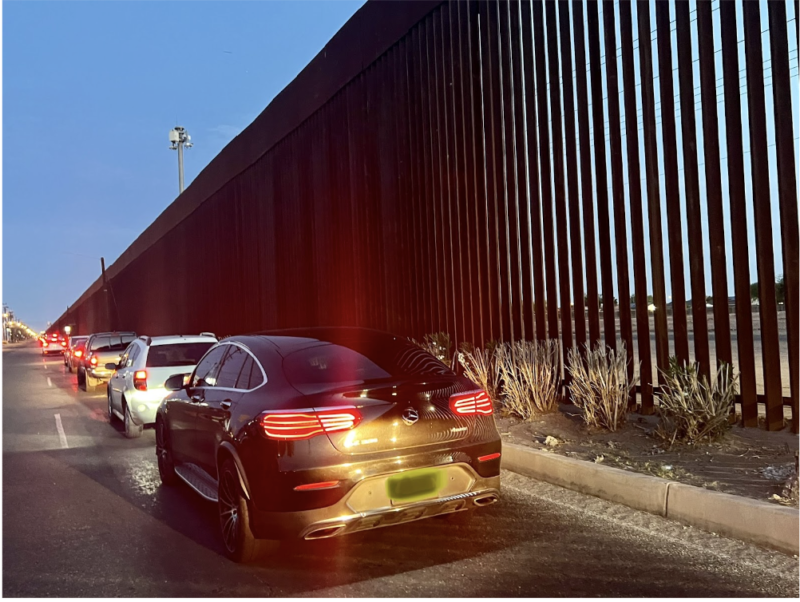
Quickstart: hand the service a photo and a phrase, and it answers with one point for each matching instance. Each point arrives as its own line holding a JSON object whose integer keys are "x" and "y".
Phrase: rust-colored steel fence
{"x": 616, "y": 172}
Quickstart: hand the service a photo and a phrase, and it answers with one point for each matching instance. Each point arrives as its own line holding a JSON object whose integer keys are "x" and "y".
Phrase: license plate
{"x": 415, "y": 485}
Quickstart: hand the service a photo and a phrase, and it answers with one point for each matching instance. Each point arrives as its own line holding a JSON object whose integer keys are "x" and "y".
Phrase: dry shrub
{"x": 480, "y": 366}
{"x": 691, "y": 409}
{"x": 600, "y": 385}
{"x": 438, "y": 345}
{"x": 530, "y": 375}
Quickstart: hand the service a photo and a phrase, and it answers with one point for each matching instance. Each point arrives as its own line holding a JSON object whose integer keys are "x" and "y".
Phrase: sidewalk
{"x": 750, "y": 520}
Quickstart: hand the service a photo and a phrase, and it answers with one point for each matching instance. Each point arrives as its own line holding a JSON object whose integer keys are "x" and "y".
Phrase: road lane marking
{"x": 49, "y": 382}
{"x": 61, "y": 435}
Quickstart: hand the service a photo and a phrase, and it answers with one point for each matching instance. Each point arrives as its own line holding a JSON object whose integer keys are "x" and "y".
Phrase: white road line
{"x": 61, "y": 435}
{"x": 49, "y": 382}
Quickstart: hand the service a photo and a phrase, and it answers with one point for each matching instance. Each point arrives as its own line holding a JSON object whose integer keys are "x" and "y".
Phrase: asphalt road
{"x": 84, "y": 514}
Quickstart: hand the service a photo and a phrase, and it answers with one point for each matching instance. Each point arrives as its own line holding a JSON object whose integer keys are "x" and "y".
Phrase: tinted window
{"x": 133, "y": 353}
{"x": 232, "y": 367}
{"x": 81, "y": 345}
{"x": 250, "y": 375}
{"x": 330, "y": 364}
{"x": 73, "y": 341}
{"x": 111, "y": 342}
{"x": 348, "y": 358}
{"x": 205, "y": 373}
{"x": 178, "y": 354}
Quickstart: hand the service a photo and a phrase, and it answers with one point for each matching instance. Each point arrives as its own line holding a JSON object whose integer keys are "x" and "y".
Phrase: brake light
{"x": 316, "y": 486}
{"x": 93, "y": 361}
{"x": 489, "y": 457}
{"x": 305, "y": 424}
{"x": 140, "y": 380}
{"x": 45, "y": 344}
{"x": 469, "y": 404}
{"x": 77, "y": 353}
{"x": 63, "y": 343}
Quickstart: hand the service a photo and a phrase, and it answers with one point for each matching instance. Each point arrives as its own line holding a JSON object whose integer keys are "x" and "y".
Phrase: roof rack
{"x": 208, "y": 334}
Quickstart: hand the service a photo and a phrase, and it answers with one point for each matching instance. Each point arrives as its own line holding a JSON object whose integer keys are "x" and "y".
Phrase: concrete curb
{"x": 742, "y": 518}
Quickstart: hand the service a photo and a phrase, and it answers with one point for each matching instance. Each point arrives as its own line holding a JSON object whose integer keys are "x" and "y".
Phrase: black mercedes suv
{"x": 321, "y": 432}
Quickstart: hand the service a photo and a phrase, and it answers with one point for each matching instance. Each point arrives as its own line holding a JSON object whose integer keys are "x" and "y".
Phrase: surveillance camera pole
{"x": 179, "y": 138}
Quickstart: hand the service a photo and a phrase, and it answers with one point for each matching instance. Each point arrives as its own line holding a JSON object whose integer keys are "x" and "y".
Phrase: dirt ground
{"x": 748, "y": 461}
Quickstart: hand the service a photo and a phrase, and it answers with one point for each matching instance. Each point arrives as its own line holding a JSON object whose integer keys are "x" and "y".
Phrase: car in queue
{"x": 136, "y": 387}
{"x": 322, "y": 432}
{"x": 53, "y": 342}
{"x": 69, "y": 351}
{"x": 101, "y": 348}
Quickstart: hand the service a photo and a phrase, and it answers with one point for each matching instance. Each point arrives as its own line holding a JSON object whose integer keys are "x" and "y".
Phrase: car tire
{"x": 112, "y": 417}
{"x": 81, "y": 379}
{"x": 166, "y": 463}
{"x": 234, "y": 518}
{"x": 132, "y": 430}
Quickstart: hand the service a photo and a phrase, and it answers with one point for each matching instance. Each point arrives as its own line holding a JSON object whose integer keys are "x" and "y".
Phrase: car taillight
{"x": 45, "y": 344}
{"x": 77, "y": 353}
{"x": 469, "y": 404}
{"x": 93, "y": 361}
{"x": 63, "y": 343}
{"x": 489, "y": 457}
{"x": 140, "y": 380}
{"x": 304, "y": 424}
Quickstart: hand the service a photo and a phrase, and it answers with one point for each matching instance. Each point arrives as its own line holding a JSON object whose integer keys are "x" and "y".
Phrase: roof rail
{"x": 208, "y": 334}
{"x": 147, "y": 340}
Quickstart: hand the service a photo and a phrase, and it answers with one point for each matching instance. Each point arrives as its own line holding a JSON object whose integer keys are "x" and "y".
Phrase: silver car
{"x": 136, "y": 388}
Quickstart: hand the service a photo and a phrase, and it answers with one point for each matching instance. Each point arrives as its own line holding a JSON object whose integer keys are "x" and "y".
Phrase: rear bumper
{"x": 341, "y": 518}
{"x": 101, "y": 375}
{"x": 143, "y": 405}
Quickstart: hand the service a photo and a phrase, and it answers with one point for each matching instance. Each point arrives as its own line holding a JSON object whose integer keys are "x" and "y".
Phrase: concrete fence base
{"x": 733, "y": 516}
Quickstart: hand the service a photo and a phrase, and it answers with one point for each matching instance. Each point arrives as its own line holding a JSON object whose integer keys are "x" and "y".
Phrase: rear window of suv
{"x": 177, "y": 354}
{"x": 112, "y": 342}
{"x": 329, "y": 364}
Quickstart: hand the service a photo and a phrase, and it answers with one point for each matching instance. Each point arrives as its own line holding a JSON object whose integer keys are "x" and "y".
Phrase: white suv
{"x": 137, "y": 387}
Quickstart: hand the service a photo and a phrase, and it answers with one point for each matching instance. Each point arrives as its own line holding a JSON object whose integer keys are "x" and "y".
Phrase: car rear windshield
{"x": 177, "y": 354}
{"x": 112, "y": 342}
{"x": 334, "y": 364}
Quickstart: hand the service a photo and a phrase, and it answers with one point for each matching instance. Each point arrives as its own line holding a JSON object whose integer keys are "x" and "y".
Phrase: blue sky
{"x": 90, "y": 92}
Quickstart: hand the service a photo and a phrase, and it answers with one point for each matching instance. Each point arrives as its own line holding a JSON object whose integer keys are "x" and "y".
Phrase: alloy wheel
{"x": 229, "y": 499}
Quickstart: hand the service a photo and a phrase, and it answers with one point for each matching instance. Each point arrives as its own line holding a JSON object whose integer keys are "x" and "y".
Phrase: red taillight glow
{"x": 489, "y": 457}
{"x": 45, "y": 344}
{"x": 304, "y": 424}
{"x": 468, "y": 404}
{"x": 77, "y": 353}
{"x": 140, "y": 380}
{"x": 316, "y": 486}
{"x": 63, "y": 343}
{"x": 93, "y": 361}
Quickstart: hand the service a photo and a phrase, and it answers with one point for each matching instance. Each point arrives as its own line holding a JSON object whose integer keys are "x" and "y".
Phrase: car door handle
{"x": 225, "y": 405}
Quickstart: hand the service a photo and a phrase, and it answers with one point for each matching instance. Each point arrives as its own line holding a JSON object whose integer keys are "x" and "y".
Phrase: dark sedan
{"x": 322, "y": 432}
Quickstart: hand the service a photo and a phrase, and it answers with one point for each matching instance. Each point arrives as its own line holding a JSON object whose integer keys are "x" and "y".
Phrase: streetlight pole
{"x": 178, "y": 138}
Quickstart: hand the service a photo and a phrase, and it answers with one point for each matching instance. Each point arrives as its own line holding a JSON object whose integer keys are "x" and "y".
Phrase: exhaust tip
{"x": 486, "y": 500}
{"x": 325, "y": 532}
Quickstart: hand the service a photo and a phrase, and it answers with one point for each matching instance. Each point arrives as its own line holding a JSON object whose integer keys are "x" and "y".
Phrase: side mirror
{"x": 175, "y": 382}
{"x": 111, "y": 366}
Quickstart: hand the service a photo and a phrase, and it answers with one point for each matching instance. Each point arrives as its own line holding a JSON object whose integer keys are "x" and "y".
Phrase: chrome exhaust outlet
{"x": 325, "y": 532}
{"x": 486, "y": 500}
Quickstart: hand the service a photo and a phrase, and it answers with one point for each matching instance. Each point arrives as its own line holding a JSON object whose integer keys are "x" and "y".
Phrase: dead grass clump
{"x": 530, "y": 374}
{"x": 438, "y": 345}
{"x": 691, "y": 409}
{"x": 600, "y": 385}
{"x": 480, "y": 366}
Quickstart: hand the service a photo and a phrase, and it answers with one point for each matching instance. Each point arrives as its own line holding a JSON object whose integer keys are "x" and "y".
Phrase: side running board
{"x": 199, "y": 480}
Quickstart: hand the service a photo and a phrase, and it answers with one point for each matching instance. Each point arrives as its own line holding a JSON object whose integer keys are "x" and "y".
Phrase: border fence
{"x": 616, "y": 172}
